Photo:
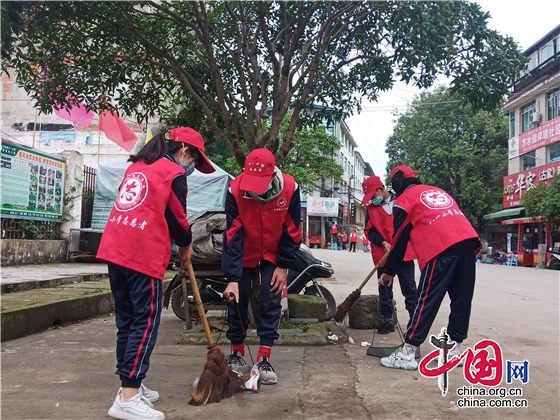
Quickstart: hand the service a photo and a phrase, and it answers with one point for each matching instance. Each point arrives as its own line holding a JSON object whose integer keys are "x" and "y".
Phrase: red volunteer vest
{"x": 353, "y": 236}
{"x": 137, "y": 235}
{"x": 383, "y": 223}
{"x": 262, "y": 223}
{"x": 437, "y": 221}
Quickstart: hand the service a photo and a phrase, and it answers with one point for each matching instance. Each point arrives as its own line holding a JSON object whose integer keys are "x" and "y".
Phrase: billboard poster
{"x": 32, "y": 184}
{"x": 544, "y": 134}
{"x": 319, "y": 206}
{"x": 515, "y": 185}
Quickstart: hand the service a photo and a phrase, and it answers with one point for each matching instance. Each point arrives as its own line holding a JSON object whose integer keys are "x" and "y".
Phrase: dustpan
{"x": 384, "y": 351}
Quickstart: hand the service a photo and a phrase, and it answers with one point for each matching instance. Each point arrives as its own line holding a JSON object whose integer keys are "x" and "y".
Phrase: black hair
{"x": 400, "y": 183}
{"x": 159, "y": 146}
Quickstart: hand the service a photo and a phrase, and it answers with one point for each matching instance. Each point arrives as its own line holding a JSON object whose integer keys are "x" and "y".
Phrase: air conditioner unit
{"x": 535, "y": 118}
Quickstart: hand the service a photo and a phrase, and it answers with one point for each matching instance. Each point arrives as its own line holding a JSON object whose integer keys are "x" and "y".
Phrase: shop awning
{"x": 517, "y": 211}
{"x": 523, "y": 220}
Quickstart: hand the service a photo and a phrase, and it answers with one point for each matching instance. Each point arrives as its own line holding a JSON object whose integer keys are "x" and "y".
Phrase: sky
{"x": 526, "y": 21}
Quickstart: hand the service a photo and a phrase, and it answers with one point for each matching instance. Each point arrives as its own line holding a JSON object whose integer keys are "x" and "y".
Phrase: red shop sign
{"x": 516, "y": 185}
{"x": 542, "y": 135}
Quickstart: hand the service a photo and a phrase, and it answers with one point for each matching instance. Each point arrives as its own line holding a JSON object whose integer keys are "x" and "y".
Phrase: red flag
{"x": 116, "y": 130}
{"x": 77, "y": 114}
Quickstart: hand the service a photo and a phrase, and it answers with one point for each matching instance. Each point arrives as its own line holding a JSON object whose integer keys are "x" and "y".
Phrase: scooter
{"x": 554, "y": 262}
{"x": 302, "y": 278}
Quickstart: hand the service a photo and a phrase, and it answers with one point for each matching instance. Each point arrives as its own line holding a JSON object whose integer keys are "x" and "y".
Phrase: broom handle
{"x": 200, "y": 306}
{"x": 381, "y": 261}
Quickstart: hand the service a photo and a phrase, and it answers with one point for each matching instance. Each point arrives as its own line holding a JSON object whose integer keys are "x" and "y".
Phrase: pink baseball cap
{"x": 194, "y": 138}
{"x": 259, "y": 168}
{"x": 370, "y": 185}
{"x": 408, "y": 173}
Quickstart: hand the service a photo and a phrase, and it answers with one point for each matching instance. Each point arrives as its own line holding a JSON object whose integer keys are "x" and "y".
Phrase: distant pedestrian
{"x": 334, "y": 233}
{"x": 344, "y": 240}
{"x": 353, "y": 240}
{"x": 365, "y": 243}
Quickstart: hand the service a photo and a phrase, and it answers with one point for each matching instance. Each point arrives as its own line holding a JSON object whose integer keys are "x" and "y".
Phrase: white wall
{"x": 17, "y": 114}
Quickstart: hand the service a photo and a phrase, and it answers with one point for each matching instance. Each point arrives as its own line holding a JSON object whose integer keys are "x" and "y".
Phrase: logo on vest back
{"x": 434, "y": 199}
{"x": 133, "y": 192}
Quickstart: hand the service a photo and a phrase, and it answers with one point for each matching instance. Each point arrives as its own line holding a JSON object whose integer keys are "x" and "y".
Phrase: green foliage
{"x": 310, "y": 159}
{"x": 544, "y": 201}
{"x": 461, "y": 151}
{"x": 217, "y": 66}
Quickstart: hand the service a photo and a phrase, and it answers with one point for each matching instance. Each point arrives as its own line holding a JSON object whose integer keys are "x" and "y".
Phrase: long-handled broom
{"x": 218, "y": 380}
{"x": 344, "y": 307}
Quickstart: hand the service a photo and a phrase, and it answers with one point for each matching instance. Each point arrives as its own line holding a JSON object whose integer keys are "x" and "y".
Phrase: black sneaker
{"x": 266, "y": 372}
{"x": 235, "y": 359}
{"x": 385, "y": 328}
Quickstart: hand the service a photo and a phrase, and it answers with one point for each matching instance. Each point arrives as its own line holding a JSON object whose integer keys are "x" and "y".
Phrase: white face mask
{"x": 189, "y": 169}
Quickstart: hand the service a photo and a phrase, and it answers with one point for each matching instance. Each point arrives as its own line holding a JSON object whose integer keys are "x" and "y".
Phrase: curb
{"x": 39, "y": 317}
{"x": 316, "y": 335}
{"x": 39, "y": 284}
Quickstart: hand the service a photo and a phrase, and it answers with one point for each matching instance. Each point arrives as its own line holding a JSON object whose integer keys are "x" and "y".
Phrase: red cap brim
{"x": 255, "y": 184}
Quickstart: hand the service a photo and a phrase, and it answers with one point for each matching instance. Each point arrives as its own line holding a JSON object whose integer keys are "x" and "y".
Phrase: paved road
{"x": 67, "y": 373}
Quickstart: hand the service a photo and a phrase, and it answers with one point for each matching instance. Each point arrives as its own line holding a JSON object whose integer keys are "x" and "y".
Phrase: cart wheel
{"x": 331, "y": 303}
{"x": 178, "y": 305}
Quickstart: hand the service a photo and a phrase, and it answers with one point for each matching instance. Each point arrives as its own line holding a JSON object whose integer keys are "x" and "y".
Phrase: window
{"x": 553, "y": 153}
{"x": 526, "y": 113}
{"x": 553, "y": 104}
{"x": 547, "y": 51}
{"x": 534, "y": 61}
{"x": 528, "y": 161}
{"x": 512, "y": 124}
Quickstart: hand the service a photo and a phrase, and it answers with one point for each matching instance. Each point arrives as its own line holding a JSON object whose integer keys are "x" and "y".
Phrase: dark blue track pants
{"x": 408, "y": 289}
{"x": 453, "y": 274}
{"x": 271, "y": 308}
{"x": 137, "y": 314}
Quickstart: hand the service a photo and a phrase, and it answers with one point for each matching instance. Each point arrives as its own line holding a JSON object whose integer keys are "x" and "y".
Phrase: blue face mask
{"x": 377, "y": 201}
{"x": 189, "y": 169}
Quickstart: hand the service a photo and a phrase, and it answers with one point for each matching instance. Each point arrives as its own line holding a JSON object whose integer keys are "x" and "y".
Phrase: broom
{"x": 218, "y": 380}
{"x": 344, "y": 307}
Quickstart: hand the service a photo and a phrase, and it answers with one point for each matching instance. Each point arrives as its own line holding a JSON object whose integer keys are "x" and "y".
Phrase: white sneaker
{"x": 138, "y": 407}
{"x": 266, "y": 372}
{"x": 150, "y": 395}
{"x": 455, "y": 352}
{"x": 398, "y": 360}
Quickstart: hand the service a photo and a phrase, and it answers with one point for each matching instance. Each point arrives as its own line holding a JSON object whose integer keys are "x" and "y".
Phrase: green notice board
{"x": 32, "y": 184}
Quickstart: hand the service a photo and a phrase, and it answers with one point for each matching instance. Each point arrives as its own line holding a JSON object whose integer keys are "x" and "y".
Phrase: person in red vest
{"x": 334, "y": 233}
{"x": 379, "y": 230}
{"x": 149, "y": 211}
{"x": 365, "y": 243}
{"x": 353, "y": 240}
{"x": 344, "y": 240}
{"x": 263, "y": 234}
{"x": 445, "y": 244}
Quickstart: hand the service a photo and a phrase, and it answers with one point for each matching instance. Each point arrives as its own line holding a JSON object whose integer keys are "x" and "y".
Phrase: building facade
{"x": 534, "y": 146}
{"x": 337, "y": 201}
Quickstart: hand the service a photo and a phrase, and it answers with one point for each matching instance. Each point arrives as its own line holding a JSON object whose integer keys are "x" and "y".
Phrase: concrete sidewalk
{"x": 23, "y": 277}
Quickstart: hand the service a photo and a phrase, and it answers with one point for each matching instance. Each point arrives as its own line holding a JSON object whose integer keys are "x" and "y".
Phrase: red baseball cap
{"x": 408, "y": 173}
{"x": 194, "y": 138}
{"x": 370, "y": 185}
{"x": 259, "y": 169}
